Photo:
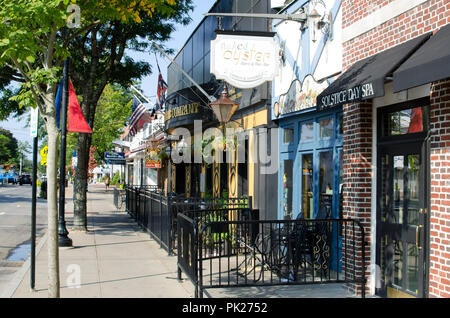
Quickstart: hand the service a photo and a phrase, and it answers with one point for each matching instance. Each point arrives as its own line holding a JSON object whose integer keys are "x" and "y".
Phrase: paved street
{"x": 15, "y": 229}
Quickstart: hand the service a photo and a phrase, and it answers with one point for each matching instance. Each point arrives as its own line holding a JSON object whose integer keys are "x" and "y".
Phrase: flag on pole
{"x": 162, "y": 87}
{"x": 58, "y": 104}
{"x": 77, "y": 122}
{"x": 138, "y": 110}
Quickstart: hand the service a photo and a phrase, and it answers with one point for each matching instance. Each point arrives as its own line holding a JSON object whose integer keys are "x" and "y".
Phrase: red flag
{"x": 77, "y": 122}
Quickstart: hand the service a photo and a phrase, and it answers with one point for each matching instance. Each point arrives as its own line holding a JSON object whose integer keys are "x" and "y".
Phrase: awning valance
{"x": 365, "y": 79}
{"x": 430, "y": 63}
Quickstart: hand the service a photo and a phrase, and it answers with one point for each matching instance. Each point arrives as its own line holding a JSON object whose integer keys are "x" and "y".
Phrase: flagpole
{"x": 140, "y": 94}
{"x": 63, "y": 239}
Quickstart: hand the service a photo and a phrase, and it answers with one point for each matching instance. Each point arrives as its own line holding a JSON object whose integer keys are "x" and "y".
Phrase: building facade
{"x": 362, "y": 102}
{"x": 394, "y": 92}
{"x": 187, "y": 106}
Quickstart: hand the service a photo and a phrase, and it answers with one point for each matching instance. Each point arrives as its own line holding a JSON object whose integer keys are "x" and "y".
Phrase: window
{"x": 307, "y": 186}
{"x": 326, "y": 128}
{"x": 307, "y": 132}
{"x": 403, "y": 122}
{"x": 287, "y": 190}
{"x": 288, "y": 135}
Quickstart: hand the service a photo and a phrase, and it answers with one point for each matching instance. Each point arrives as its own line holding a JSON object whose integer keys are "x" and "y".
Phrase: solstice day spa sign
{"x": 244, "y": 61}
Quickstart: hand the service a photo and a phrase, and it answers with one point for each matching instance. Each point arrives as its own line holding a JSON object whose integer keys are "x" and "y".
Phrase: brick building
{"x": 395, "y": 94}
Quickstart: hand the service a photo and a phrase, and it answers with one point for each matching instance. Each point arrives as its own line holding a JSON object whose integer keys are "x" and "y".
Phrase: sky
{"x": 148, "y": 84}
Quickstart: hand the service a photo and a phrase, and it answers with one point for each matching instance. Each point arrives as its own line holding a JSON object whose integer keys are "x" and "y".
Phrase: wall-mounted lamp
{"x": 319, "y": 21}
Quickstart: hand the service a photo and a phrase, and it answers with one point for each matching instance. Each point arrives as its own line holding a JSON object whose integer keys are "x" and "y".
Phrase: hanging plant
{"x": 162, "y": 155}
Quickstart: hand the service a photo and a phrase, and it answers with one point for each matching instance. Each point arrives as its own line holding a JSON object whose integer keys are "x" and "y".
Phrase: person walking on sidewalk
{"x": 107, "y": 181}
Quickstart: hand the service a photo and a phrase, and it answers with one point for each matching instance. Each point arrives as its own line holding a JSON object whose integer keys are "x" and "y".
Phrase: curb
{"x": 20, "y": 274}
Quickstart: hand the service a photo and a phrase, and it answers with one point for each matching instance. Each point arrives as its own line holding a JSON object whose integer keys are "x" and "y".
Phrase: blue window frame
{"x": 317, "y": 142}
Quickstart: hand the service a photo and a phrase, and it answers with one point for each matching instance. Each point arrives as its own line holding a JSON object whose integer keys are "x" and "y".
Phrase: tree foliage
{"x": 113, "y": 109}
{"x": 9, "y": 147}
{"x": 34, "y": 43}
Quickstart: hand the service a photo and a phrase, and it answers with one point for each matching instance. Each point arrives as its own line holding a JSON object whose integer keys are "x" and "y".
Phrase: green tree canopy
{"x": 8, "y": 147}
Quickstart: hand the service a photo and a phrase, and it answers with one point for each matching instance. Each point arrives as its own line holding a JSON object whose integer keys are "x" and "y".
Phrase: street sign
{"x": 43, "y": 153}
{"x": 34, "y": 122}
{"x": 115, "y": 158}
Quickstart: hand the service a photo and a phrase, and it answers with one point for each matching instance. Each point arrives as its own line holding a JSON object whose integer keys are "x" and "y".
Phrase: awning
{"x": 365, "y": 79}
{"x": 429, "y": 64}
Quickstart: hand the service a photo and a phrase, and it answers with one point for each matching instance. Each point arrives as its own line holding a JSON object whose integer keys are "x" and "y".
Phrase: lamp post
{"x": 63, "y": 240}
{"x": 224, "y": 108}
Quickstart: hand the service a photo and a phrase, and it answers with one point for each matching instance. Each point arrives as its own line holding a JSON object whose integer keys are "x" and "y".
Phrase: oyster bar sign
{"x": 358, "y": 93}
{"x": 244, "y": 61}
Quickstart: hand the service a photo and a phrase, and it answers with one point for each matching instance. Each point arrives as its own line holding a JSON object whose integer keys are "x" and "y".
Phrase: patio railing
{"x": 157, "y": 213}
{"x": 219, "y": 251}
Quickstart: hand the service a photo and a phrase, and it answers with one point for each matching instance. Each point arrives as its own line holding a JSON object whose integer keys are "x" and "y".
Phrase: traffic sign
{"x": 43, "y": 153}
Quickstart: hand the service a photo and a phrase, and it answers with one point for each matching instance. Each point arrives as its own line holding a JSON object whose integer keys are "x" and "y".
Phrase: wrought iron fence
{"x": 150, "y": 209}
{"x": 248, "y": 252}
{"x": 157, "y": 213}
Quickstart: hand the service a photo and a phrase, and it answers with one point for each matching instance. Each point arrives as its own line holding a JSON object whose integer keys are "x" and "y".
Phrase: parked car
{"x": 25, "y": 179}
{"x": 13, "y": 177}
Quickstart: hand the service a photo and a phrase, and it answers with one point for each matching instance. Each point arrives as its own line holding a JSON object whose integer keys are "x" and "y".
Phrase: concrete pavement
{"x": 113, "y": 259}
{"x": 116, "y": 259}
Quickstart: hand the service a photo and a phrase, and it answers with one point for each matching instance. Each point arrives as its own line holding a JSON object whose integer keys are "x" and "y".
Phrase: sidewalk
{"x": 114, "y": 258}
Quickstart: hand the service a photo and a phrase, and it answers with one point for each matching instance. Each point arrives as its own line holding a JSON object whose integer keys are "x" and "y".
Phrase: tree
{"x": 23, "y": 149}
{"x": 99, "y": 57}
{"x": 35, "y": 40}
{"x": 8, "y": 147}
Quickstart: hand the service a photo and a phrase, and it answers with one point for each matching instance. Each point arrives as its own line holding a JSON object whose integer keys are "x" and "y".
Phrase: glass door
{"x": 402, "y": 212}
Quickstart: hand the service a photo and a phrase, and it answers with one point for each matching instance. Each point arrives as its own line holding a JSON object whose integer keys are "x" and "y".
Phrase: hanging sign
{"x": 244, "y": 61}
{"x": 152, "y": 157}
{"x": 115, "y": 158}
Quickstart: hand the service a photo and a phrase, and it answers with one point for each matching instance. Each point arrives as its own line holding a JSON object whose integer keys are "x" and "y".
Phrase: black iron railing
{"x": 157, "y": 213}
{"x": 244, "y": 253}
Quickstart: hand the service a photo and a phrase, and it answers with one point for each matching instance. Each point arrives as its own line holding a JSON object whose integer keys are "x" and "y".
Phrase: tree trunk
{"x": 52, "y": 200}
{"x": 80, "y": 184}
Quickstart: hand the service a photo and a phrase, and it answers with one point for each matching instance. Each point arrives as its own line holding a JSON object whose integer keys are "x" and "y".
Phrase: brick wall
{"x": 440, "y": 190}
{"x": 355, "y": 10}
{"x": 429, "y": 16}
{"x": 357, "y": 169}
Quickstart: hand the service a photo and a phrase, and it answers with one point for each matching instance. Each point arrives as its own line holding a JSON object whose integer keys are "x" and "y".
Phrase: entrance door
{"x": 402, "y": 216}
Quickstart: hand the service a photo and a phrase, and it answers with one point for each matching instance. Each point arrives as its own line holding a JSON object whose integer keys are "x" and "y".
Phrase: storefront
{"x": 186, "y": 104}
{"x": 310, "y": 140}
{"x": 395, "y": 105}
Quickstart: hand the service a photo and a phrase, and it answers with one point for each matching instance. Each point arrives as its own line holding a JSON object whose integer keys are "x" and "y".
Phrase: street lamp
{"x": 224, "y": 107}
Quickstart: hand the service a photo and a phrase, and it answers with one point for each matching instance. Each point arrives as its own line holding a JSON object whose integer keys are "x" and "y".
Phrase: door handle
{"x": 417, "y": 237}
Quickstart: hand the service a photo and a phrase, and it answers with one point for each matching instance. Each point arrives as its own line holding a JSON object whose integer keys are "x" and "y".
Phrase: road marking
{"x": 2, "y": 213}
{"x": 7, "y": 226}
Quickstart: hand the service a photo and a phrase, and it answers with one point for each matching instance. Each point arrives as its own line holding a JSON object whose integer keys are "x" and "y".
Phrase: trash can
{"x": 43, "y": 193}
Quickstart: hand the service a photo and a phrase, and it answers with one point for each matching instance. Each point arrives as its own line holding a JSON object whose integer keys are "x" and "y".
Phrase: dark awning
{"x": 429, "y": 64}
{"x": 365, "y": 79}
